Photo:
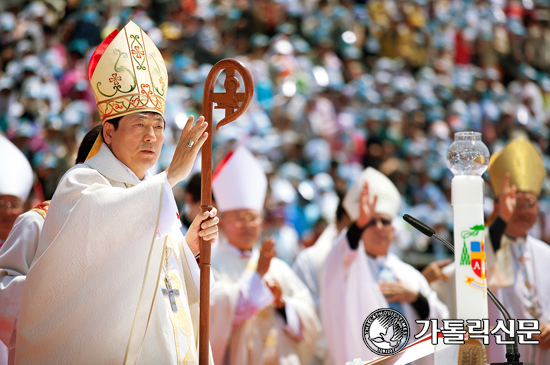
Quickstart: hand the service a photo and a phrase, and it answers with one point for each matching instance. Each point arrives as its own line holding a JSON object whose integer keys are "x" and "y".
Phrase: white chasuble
{"x": 263, "y": 338}
{"x": 524, "y": 285}
{"x": 16, "y": 256}
{"x": 309, "y": 268}
{"x": 94, "y": 293}
{"x": 350, "y": 292}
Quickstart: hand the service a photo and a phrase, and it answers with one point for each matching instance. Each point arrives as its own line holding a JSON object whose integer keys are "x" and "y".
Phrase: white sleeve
{"x": 254, "y": 295}
{"x": 16, "y": 256}
{"x": 169, "y": 216}
{"x": 437, "y": 308}
{"x": 303, "y": 268}
{"x": 292, "y": 326}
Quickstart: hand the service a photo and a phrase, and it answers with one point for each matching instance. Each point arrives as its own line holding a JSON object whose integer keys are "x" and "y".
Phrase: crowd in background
{"x": 339, "y": 85}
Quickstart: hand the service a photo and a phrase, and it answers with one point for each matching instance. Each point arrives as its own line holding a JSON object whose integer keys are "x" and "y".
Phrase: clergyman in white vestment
{"x": 360, "y": 276}
{"x": 517, "y": 173}
{"x": 114, "y": 280}
{"x": 18, "y": 253}
{"x": 261, "y": 313}
{"x": 16, "y": 178}
{"x": 16, "y": 256}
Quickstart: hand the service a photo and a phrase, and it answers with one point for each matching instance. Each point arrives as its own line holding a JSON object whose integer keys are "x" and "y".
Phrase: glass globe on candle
{"x": 468, "y": 155}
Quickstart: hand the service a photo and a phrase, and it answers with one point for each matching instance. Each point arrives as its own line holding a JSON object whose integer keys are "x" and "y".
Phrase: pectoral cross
{"x": 171, "y": 294}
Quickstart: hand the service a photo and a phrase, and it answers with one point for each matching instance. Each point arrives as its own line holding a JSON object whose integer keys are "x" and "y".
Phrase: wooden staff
{"x": 230, "y": 102}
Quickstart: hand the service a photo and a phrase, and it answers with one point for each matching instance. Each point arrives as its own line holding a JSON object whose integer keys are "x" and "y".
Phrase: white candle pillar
{"x": 468, "y": 159}
{"x": 471, "y": 280}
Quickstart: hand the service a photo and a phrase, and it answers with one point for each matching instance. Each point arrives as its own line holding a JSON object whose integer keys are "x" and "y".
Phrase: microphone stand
{"x": 512, "y": 350}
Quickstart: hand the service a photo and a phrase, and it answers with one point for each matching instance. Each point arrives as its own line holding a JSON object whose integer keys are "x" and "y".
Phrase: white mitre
{"x": 239, "y": 182}
{"x": 16, "y": 175}
{"x": 389, "y": 198}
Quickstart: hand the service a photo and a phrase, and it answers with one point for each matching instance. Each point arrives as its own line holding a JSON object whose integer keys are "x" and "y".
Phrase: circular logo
{"x": 386, "y": 332}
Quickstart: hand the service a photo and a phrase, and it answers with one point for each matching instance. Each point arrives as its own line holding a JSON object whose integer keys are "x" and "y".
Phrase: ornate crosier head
{"x": 127, "y": 74}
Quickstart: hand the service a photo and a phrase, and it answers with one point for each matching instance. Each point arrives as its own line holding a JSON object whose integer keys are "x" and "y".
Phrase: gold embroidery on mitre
{"x": 524, "y": 163}
{"x": 130, "y": 76}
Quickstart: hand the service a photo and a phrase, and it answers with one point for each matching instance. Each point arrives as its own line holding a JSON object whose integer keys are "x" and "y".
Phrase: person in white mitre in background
{"x": 114, "y": 280}
{"x": 261, "y": 313}
{"x": 16, "y": 178}
{"x": 309, "y": 267}
{"x": 17, "y": 255}
{"x": 361, "y": 276}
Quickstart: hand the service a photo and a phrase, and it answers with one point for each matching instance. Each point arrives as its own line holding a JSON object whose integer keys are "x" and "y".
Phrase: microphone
{"x": 427, "y": 230}
{"x": 512, "y": 351}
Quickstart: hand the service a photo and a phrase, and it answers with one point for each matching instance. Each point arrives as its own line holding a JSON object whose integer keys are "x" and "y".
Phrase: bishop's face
{"x": 524, "y": 215}
{"x": 378, "y": 235}
{"x": 137, "y": 141}
{"x": 241, "y": 227}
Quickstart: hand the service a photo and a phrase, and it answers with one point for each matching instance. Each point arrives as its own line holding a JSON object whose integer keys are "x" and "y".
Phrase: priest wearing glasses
{"x": 361, "y": 275}
{"x": 261, "y": 313}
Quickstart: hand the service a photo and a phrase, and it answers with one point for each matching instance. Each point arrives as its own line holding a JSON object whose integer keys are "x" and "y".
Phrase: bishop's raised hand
{"x": 366, "y": 206}
{"x": 191, "y": 140}
{"x": 507, "y": 199}
{"x": 267, "y": 252}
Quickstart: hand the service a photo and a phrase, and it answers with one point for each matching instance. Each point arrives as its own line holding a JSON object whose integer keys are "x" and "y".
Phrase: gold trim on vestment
{"x": 169, "y": 307}
{"x": 181, "y": 320}
{"x": 40, "y": 208}
{"x": 131, "y": 338}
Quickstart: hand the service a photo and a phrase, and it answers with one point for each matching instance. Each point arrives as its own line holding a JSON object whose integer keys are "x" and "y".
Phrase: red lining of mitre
{"x": 220, "y": 166}
{"x": 96, "y": 56}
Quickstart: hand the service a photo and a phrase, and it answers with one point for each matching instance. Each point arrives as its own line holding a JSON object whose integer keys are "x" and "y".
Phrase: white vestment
{"x": 350, "y": 292}
{"x": 309, "y": 268}
{"x": 16, "y": 256}
{"x": 446, "y": 292}
{"x": 94, "y": 293}
{"x": 262, "y": 338}
{"x": 512, "y": 292}
{"x": 446, "y": 289}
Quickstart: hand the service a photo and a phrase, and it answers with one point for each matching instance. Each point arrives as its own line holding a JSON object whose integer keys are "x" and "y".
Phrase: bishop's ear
{"x": 107, "y": 131}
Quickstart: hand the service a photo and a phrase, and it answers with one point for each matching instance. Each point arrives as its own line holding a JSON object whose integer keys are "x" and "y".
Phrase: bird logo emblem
{"x": 386, "y": 332}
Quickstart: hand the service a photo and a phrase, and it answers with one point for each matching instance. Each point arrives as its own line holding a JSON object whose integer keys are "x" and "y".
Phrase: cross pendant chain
{"x": 533, "y": 311}
{"x": 171, "y": 294}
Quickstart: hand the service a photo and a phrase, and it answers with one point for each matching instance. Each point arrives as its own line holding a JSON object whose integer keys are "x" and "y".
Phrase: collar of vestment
{"x": 380, "y": 260}
{"x": 133, "y": 174}
{"x": 237, "y": 252}
{"x": 516, "y": 240}
{"x": 109, "y": 166}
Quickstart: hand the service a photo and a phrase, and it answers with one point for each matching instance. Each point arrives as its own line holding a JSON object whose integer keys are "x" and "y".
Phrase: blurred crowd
{"x": 339, "y": 85}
